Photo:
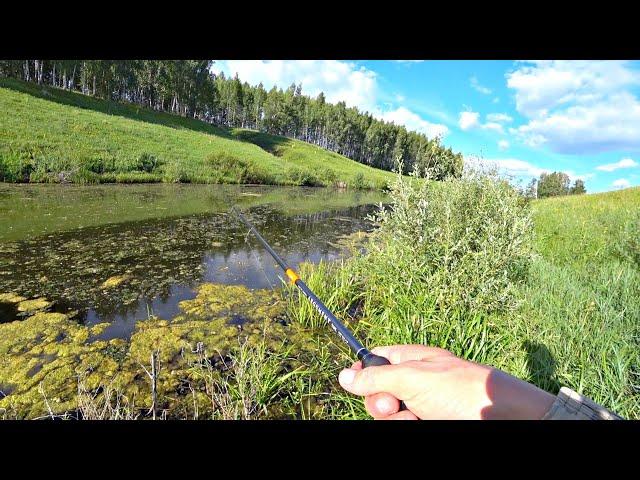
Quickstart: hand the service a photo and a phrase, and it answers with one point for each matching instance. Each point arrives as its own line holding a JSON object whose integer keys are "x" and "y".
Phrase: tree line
{"x": 190, "y": 89}
{"x": 553, "y": 185}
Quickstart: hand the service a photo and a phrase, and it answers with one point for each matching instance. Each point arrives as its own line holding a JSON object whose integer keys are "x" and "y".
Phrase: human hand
{"x": 435, "y": 384}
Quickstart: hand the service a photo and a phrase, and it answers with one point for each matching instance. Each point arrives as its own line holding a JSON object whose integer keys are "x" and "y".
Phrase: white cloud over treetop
{"x": 577, "y": 106}
{"x": 355, "y": 85}
{"x": 403, "y": 116}
{"x": 624, "y": 163}
{"x": 340, "y": 81}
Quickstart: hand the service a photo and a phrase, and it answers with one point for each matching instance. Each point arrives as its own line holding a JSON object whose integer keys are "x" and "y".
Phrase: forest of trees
{"x": 188, "y": 88}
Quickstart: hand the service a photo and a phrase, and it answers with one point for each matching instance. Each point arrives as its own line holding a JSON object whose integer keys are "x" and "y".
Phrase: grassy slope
{"x": 58, "y": 131}
{"x": 580, "y": 319}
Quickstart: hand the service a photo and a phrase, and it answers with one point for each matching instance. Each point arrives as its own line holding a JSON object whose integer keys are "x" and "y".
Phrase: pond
{"x": 94, "y": 278}
{"x": 122, "y": 253}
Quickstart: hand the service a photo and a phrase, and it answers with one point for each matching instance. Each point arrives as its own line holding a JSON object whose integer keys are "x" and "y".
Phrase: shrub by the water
{"x": 467, "y": 239}
{"x": 447, "y": 256}
{"x": 302, "y": 176}
{"x": 14, "y": 167}
{"x": 458, "y": 265}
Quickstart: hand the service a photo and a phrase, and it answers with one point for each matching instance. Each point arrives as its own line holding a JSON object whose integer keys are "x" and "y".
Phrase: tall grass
{"x": 246, "y": 385}
{"x": 548, "y": 291}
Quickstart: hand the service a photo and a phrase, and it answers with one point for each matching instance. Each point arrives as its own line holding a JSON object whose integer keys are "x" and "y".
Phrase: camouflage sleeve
{"x": 570, "y": 405}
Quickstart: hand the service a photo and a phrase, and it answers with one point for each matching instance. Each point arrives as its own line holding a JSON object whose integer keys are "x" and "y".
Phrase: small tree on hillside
{"x": 553, "y": 184}
{"x": 532, "y": 189}
{"x": 578, "y": 188}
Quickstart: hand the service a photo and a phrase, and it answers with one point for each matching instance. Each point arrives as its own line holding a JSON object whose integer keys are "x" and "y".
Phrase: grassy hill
{"x": 51, "y": 135}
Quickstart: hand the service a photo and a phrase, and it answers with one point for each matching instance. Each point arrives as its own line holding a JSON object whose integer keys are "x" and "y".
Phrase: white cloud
{"x": 414, "y": 122}
{"x": 507, "y": 166}
{"x": 499, "y": 117}
{"x": 516, "y": 168}
{"x": 468, "y": 120}
{"x": 496, "y": 127}
{"x": 340, "y": 81}
{"x": 621, "y": 183}
{"x": 496, "y": 100}
{"x": 577, "y": 106}
{"x": 503, "y": 144}
{"x": 480, "y": 88}
{"x": 624, "y": 163}
{"x": 584, "y": 177}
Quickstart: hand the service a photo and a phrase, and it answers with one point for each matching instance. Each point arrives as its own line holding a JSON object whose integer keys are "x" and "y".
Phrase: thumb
{"x": 369, "y": 381}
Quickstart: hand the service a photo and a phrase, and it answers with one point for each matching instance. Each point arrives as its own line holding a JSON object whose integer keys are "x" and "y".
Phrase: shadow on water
{"x": 541, "y": 366}
{"x": 122, "y": 273}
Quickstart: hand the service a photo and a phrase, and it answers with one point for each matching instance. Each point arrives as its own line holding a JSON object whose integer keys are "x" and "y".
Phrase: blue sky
{"x": 581, "y": 117}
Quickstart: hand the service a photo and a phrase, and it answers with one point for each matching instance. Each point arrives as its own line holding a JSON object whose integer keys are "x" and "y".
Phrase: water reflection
{"x": 121, "y": 273}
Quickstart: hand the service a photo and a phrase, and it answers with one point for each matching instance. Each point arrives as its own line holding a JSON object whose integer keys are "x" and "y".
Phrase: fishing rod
{"x": 368, "y": 359}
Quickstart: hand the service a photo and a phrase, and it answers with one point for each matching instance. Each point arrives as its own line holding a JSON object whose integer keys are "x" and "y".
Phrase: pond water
{"x": 119, "y": 254}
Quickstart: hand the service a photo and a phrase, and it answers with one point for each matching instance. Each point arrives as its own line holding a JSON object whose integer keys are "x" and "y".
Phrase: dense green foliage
{"x": 51, "y": 135}
{"x": 556, "y": 184}
{"x": 189, "y": 89}
{"x": 455, "y": 265}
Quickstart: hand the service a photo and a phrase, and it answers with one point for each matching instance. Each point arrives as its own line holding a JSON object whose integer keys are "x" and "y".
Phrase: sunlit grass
{"x": 51, "y": 135}
{"x": 575, "y": 312}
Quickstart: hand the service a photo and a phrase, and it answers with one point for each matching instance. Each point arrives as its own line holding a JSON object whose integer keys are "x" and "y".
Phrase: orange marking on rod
{"x": 293, "y": 276}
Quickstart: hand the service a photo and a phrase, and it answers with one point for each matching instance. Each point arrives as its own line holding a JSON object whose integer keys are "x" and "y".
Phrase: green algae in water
{"x": 52, "y": 350}
{"x": 113, "y": 271}
{"x": 57, "y": 208}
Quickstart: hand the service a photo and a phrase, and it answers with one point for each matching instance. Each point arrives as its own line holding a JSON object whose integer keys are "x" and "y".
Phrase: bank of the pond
{"x": 51, "y": 365}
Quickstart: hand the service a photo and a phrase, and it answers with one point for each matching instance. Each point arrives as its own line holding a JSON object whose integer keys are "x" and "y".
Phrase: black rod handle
{"x": 372, "y": 360}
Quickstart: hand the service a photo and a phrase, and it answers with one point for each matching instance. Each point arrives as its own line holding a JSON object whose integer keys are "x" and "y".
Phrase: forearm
{"x": 515, "y": 399}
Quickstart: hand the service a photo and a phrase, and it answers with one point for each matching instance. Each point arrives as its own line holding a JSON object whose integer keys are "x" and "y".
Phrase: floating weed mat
{"x": 112, "y": 268}
{"x": 48, "y": 366}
